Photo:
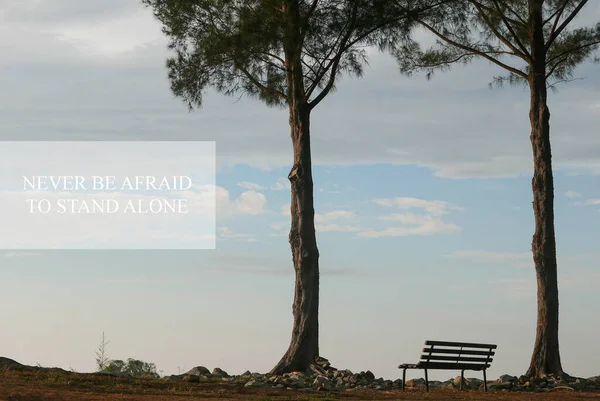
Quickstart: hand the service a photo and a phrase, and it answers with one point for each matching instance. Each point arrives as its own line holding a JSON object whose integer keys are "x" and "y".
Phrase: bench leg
{"x": 403, "y": 378}
{"x": 484, "y": 381}
{"x": 462, "y": 378}
{"x": 426, "y": 381}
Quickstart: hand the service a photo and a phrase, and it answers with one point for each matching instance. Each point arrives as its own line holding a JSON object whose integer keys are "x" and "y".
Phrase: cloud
{"x": 335, "y": 215}
{"x": 521, "y": 259}
{"x": 250, "y": 185}
{"x": 516, "y": 289}
{"x": 435, "y": 208}
{"x": 58, "y": 71}
{"x": 415, "y": 224}
{"x": 572, "y": 194}
{"x": 592, "y": 202}
{"x": 12, "y": 255}
{"x": 326, "y": 222}
{"x": 337, "y": 228}
{"x": 249, "y": 203}
{"x": 225, "y": 233}
{"x": 281, "y": 184}
{"x": 422, "y": 225}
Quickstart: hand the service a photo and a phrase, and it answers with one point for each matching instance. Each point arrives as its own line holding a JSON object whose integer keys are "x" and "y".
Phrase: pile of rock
{"x": 323, "y": 377}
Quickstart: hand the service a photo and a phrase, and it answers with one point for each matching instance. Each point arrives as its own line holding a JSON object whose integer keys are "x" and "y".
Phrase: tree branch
{"x": 476, "y": 51}
{"x": 512, "y": 32}
{"x": 503, "y": 39}
{"x": 564, "y": 24}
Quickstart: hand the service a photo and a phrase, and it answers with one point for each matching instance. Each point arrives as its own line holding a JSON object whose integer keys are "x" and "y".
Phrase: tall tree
{"x": 287, "y": 53}
{"x": 533, "y": 41}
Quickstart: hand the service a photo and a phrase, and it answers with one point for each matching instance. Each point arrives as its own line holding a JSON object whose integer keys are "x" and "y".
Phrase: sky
{"x": 422, "y": 195}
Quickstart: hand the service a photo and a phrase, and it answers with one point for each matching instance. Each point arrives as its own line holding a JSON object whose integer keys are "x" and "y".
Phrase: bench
{"x": 444, "y": 355}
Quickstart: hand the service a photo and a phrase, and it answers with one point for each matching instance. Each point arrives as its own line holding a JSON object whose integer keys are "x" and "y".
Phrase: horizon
{"x": 422, "y": 201}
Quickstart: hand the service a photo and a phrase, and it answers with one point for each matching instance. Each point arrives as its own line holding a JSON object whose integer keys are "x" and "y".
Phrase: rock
{"x": 322, "y": 362}
{"x": 397, "y": 383}
{"x": 253, "y": 383}
{"x": 369, "y": 375}
{"x": 191, "y": 378}
{"x": 385, "y": 385}
{"x": 219, "y": 372}
{"x": 7, "y": 363}
{"x": 199, "y": 371}
{"x": 500, "y": 386}
{"x": 448, "y": 384}
{"x": 415, "y": 382}
{"x": 507, "y": 379}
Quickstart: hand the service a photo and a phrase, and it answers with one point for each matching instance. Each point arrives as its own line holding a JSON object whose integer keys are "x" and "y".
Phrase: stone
{"x": 507, "y": 379}
{"x": 500, "y": 386}
{"x": 322, "y": 383}
{"x": 192, "y": 378}
{"x": 199, "y": 371}
{"x": 369, "y": 375}
{"x": 415, "y": 382}
{"x": 219, "y": 372}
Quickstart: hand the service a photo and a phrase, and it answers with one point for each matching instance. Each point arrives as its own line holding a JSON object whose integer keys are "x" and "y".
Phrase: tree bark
{"x": 304, "y": 344}
{"x": 546, "y": 357}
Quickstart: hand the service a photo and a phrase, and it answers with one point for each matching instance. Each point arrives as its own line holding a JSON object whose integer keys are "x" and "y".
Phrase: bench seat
{"x": 445, "y": 355}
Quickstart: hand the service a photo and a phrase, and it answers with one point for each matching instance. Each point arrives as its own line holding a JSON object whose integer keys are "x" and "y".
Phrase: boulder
{"x": 507, "y": 379}
{"x": 219, "y": 373}
{"x": 191, "y": 378}
{"x": 199, "y": 371}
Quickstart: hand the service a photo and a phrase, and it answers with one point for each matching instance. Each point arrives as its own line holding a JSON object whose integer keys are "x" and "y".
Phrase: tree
{"x": 101, "y": 356}
{"x": 531, "y": 40}
{"x": 131, "y": 368}
{"x": 287, "y": 53}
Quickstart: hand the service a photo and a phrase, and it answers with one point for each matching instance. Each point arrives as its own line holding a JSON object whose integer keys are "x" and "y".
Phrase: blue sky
{"x": 422, "y": 193}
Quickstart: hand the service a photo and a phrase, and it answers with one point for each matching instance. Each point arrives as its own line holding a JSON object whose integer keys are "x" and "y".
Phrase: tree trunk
{"x": 546, "y": 357}
{"x": 304, "y": 345}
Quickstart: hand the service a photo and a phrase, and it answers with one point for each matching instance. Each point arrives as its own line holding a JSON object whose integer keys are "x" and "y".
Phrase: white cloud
{"x": 281, "y": 184}
{"x": 97, "y": 95}
{"x": 415, "y": 224}
{"x": 249, "y": 203}
{"x": 421, "y": 225}
{"x": 337, "y": 227}
{"x": 516, "y": 289}
{"x": 335, "y": 215}
{"x": 572, "y": 194}
{"x": 326, "y": 222}
{"x": 520, "y": 259}
{"x": 12, "y": 255}
{"x": 435, "y": 207}
{"x": 592, "y": 202}
{"x": 225, "y": 233}
{"x": 250, "y": 185}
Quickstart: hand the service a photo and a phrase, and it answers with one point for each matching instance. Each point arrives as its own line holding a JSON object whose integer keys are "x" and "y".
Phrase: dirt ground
{"x": 58, "y": 385}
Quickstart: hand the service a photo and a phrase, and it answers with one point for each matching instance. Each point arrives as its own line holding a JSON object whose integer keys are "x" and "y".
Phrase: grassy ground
{"x": 58, "y": 385}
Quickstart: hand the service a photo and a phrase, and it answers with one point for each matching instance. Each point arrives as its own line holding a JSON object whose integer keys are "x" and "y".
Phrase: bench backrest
{"x": 460, "y": 353}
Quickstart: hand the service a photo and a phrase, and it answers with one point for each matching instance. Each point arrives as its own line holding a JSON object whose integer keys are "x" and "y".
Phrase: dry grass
{"x": 58, "y": 385}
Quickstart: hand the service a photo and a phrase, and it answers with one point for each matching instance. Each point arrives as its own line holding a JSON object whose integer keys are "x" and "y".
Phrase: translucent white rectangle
{"x": 107, "y": 195}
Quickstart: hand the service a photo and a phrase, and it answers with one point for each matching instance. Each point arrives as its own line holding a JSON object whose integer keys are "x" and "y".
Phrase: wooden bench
{"x": 444, "y": 355}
